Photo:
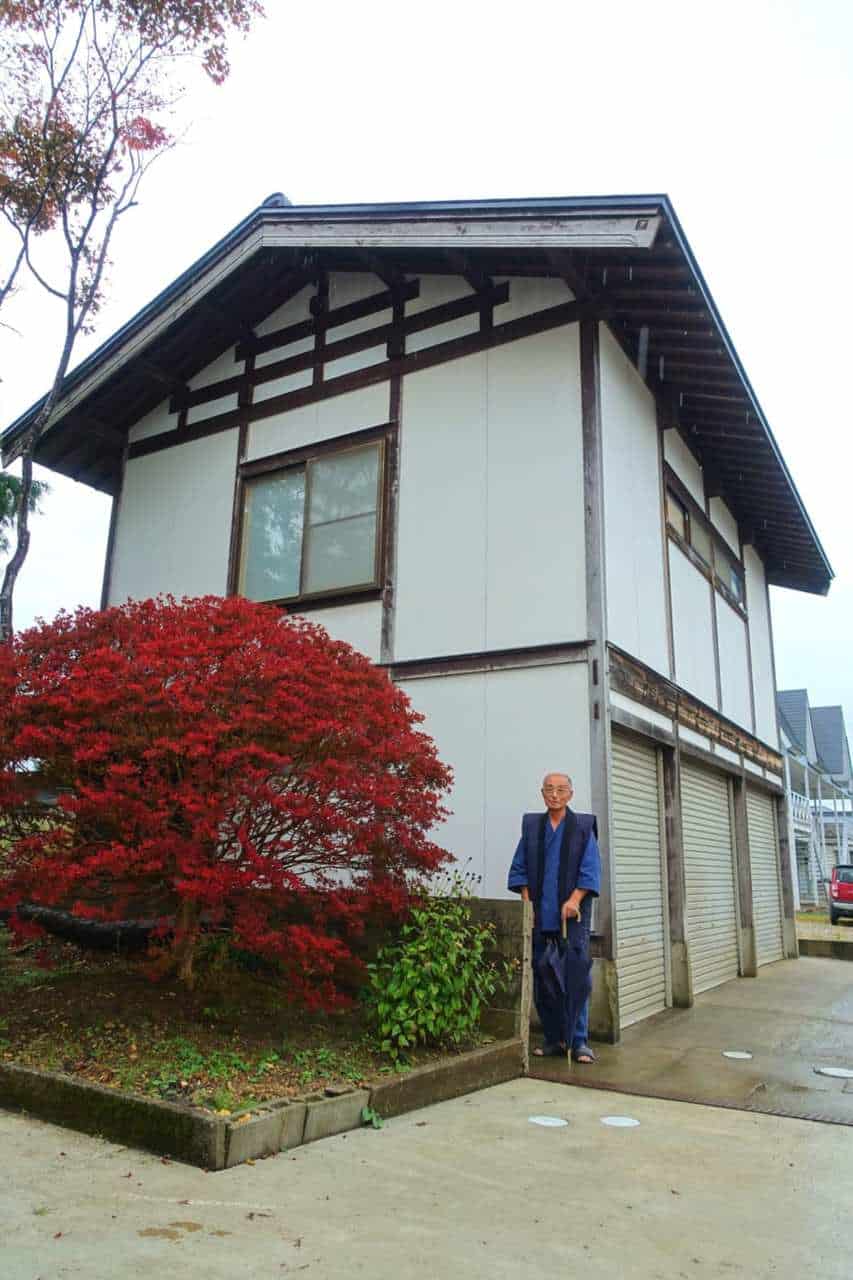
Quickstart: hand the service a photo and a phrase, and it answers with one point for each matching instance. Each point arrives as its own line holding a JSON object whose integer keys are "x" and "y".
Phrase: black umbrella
{"x": 563, "y": 981}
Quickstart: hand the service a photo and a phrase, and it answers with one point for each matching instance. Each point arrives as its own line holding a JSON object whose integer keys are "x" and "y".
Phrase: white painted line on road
{"x": 548, "y": 1122}
{"x": 620, "y": 1122}
{"x": 837, "y": 1073}
{"x": 740, "y": 1054}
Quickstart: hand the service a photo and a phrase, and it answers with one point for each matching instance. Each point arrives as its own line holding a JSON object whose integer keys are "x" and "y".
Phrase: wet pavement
{"x": 468, "y": 1188}
{"x": 795, "y": 1016}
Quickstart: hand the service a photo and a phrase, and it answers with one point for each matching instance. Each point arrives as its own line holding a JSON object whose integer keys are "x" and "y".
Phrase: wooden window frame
{"x": 303, "y": 456}
{"x": 720, "y": 549}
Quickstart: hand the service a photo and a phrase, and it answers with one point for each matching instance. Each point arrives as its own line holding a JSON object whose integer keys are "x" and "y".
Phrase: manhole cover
{"x": 837, "y": 1073}
{"x": 549, "y": 1122}
{"x": 740, "y": 1054}
{"x": 620, "y": 1122}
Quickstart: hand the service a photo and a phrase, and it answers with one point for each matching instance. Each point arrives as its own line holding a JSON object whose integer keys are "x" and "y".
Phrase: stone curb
{"x": 216, "y": 1142}
{"x": 827, "y": 948}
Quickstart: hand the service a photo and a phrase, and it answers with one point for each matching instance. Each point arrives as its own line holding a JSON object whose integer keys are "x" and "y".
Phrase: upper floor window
{"x": 730, "y": 574}
{"x": 313, "y": 528}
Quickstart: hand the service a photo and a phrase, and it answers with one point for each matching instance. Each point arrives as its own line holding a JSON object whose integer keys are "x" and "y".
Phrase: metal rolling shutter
{"x": 766, "y": 889}
{"x": 709, "y": 876}
{"x": 640, "y": 915}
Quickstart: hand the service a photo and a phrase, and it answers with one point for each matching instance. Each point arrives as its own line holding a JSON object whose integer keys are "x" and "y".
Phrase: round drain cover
{"x": 549, "y": 1122}
{"x": 837, "y": 1073}
{"x": 620, "y": 1122}
{"x": 740, "y": 1054}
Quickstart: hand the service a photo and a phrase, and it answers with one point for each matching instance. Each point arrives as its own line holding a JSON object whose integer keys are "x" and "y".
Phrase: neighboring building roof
{"x": 793, "y": 705}
{"x": 787, "y": 728}
{"x": 831, "y": 739}
{"x": 625, "y": 258}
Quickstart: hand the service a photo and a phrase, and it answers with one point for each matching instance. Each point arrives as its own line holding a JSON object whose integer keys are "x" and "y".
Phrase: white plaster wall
{"x": 455, "y": 711}
{"x": 435, "y": 290}
{"x": 292, "y": 311}
{"x": 224, "y": 366}
{"x": 155, "y": 422}
{"x": 725, "y": 523}
{"x": 174, "y": 523}
{"x": 734, "y": 664}
{"x": 491, "y": 540}
{"x": 323, "y": 420}
{"x": 634, "y": 545}
{"x": 535, "y": 550}
{"x": 537, "y": 720}
{"x": 684, "y": 465}
{"x": 531, "y": 293}
{"x": 501, "y": 732}
{"x": 357, "y": 624}
{"x": 442, "y": 511}
{"x": 692, "y": 628}
{"x": 761, "y": 646}
{"x": 344, "y": 288}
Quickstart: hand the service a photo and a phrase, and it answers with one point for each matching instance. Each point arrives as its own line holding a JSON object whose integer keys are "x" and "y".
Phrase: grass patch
{"x": 229, "y": 1044}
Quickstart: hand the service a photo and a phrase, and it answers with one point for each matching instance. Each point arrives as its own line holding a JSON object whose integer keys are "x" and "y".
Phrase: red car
{"x": 841, "y": 893}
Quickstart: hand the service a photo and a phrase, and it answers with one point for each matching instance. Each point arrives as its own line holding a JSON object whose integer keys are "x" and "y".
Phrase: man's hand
{"x": 571, "y": 909}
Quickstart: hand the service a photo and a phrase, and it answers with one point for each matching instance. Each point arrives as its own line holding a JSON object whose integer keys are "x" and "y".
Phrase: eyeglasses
{"x": 555, "y": 791}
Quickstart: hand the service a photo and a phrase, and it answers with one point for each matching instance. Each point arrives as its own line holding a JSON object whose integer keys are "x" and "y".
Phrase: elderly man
{"x": 557, "y": 867}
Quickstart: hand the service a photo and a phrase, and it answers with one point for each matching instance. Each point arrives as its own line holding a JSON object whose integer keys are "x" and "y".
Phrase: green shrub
{"x": 430, "y": 985}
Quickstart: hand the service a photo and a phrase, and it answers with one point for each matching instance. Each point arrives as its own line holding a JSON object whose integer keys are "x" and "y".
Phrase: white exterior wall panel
{"x": 535, "y": 558}
{"x": 709, "y": 876}
{"x": 636, "y": 584}
{"x": 155, "y": 422}
{"x": 725, "y": 523}
{"x": 491, "y": 526}
{"x": 734, "y": 664}
{"x": 366, "y": 407}
{"x": 357, "y": 624}
{"x": 435, "y": 290}
{"x": 692, "y": 623}
{"x": 684, "y": 465}
{"x": 761, "y": 645}
{"x": 501, "y": 732}
{"x": 222, "y": 367}
{"x": 766, "y": 886}
{"x": 641, "y": 925}
{"x": 174, "y": 522}
{"x": 528, "y": 294}
{"x": 441, "y": 549}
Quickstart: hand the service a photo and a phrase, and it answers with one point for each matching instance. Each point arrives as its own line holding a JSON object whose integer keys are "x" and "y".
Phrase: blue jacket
{"x": 528, "y": 865}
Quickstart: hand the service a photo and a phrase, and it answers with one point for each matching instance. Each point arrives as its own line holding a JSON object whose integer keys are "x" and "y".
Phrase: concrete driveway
{"x": 468, "y": 1188}
{"x": 795, "y": 1016}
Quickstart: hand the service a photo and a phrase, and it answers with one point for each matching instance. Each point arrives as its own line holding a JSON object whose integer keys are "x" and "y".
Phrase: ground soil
{"x": 229, "y": 1043}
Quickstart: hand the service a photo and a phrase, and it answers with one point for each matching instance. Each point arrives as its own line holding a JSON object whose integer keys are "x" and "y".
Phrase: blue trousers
{"x": 553, "y": 1028}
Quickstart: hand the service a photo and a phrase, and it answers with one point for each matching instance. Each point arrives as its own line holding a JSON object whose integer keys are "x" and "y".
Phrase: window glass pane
{"x": 700, "y": 540}
{"x": 344, "y": 485}
{"x": 272, "y": 536}
{"x": 736, "y": 584}
{"x": 341, "y": 554}
{"x": 844, "y": 877}
{"x": 675, "y": 515}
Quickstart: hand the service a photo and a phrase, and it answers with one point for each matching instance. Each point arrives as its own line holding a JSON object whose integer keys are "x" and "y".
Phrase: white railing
{"x": 801, "y": 810}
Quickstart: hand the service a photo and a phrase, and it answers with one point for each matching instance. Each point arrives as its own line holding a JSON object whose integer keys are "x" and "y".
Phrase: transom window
{"x": 313, "y": 528}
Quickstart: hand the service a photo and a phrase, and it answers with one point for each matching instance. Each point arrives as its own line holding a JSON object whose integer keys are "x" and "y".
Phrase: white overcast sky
{"x": 742, "y": 112}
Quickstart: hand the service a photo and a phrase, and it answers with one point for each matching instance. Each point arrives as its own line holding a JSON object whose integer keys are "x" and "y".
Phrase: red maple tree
{"x": 241, "y": 767}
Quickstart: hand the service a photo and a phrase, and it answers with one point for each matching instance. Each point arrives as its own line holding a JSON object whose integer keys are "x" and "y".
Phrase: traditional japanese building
{"x": 508, "y": 450}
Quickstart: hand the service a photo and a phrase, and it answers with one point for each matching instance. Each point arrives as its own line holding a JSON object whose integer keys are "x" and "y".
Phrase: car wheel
{"x": 833, "y": 917}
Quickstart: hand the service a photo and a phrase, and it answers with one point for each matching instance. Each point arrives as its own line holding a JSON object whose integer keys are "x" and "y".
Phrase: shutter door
{"x": 766, "y": 889}
{"x": 640, "y": 916}
{"x": 709, "y": 876}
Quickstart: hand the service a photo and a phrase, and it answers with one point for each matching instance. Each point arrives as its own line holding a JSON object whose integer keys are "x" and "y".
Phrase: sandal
{"x": 551, "y": 1051}
{"x": 583, "y": 1054}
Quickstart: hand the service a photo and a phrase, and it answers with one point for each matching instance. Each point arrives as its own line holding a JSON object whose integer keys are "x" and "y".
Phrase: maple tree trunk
{"x": 22, "y": 546}
{"x": 187, "y": 928}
